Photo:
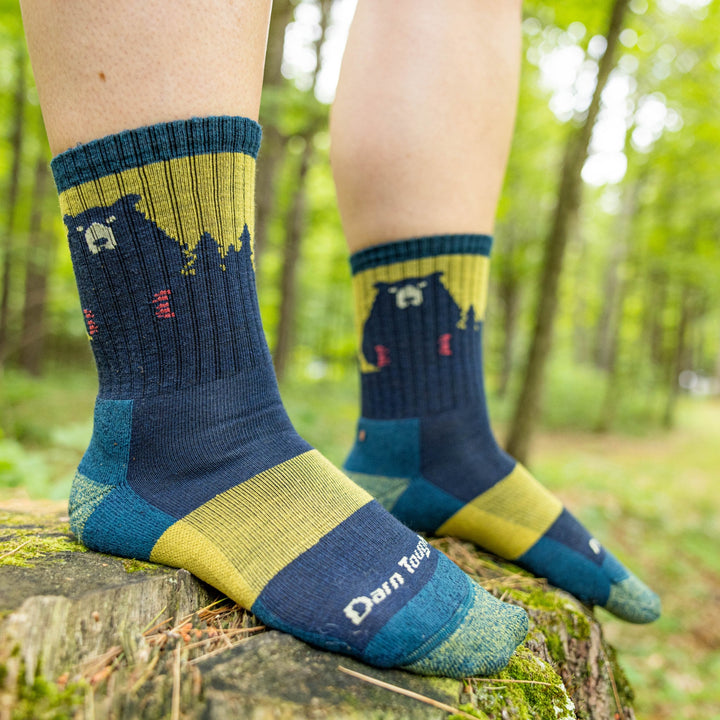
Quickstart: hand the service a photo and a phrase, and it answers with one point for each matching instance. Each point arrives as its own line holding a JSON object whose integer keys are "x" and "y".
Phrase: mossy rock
{"x": 78, "y": 631}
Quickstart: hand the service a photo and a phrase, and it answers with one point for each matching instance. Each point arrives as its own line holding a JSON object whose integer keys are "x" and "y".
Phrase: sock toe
{"x": 632, "y": 600}
{"x": 482, "y": 644}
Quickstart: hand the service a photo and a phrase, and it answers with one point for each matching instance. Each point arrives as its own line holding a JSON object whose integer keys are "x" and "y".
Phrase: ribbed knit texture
{"x": 424, "y": 446}
{"x": 193, "y": 461}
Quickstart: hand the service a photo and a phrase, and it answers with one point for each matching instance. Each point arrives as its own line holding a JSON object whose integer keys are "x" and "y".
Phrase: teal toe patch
{"x": 632, "y": 600}
{"x": 481, "y": 645}
{"x": 428, "y": 619}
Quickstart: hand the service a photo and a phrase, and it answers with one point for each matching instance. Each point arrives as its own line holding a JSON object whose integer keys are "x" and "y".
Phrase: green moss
{"x": 23, "y": 539}
{"x": 22, "y": 545}
{"x": 540, "y": 695}
{"x": 576, "y": 622}
{"x": 45, "y": 700}
{"x": 555, "y": 647}
{"x": 470, "y": 710}
{"x": 626, "y": 693}
{"x": 132, "y": 566}
{"x": 578, "y": 626}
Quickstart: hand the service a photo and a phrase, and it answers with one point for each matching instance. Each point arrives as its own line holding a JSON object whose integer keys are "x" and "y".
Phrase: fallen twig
{"x": 14, "y": 550}
{"x": 175, "y": 711}
{"x": 407, "y": 693}
{"x": 149, "y": 629}
{"x": 620, "y": 715}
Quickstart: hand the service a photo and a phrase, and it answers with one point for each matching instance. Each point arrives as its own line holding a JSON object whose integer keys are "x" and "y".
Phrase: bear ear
{"x": 436, "y": 275}
{"x": 381, "y": 285}
{"x": 70, "y": 222}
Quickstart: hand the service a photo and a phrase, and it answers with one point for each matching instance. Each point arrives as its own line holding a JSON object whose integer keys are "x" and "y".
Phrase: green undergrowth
{"x": 46, "y": 700}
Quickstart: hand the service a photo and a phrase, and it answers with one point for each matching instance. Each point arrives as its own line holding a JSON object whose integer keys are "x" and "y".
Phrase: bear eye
{"x": 392, "y": 289}
{"x": 422, "y": 284}
{"x": 79, "y": 228}
{"x": 111, "y": 219}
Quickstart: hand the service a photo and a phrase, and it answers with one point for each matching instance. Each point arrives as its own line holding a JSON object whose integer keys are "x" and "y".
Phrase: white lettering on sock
{"x": 360, "y": 607}
{"x": 412, "y": 563}
{"x": 357, "y": 616}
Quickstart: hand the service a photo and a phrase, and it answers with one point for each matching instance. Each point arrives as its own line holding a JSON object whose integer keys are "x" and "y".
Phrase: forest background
{"x": 602, "y": 347}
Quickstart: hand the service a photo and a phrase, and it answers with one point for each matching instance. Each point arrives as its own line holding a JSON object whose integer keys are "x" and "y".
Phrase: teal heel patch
{"x": 105, "y": 513}
{"x": 85, "y": 496}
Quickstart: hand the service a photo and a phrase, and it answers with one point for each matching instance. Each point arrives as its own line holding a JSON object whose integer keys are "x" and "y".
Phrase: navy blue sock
{"x": 424, "y": 444}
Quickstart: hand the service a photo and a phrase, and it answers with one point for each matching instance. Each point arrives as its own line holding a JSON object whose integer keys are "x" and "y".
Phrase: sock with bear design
{"x": 193, "y": 461}
{"x": 424, "y": 445}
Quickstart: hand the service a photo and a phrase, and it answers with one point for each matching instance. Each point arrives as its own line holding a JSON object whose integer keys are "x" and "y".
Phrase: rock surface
{"x": 85, "y": 635}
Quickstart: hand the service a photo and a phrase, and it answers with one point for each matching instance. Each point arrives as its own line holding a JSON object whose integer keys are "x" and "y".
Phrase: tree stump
{"x": 86, "y": 635}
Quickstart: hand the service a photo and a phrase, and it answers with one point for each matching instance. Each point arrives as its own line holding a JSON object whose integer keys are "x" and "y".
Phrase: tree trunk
{"x": 611, "y": 300}
{"x": 611, "y": 351}
{"x": 12, "y": 198}
{"x": 273, "y": 144}
{"x": 37, "y": 266}
{"x": 607, "y": 349}
{"x": 569, "y": 196}
{"x": 677, "y": 359}
{"x": 581, "y": 341}
{"x": 295, "y": 224}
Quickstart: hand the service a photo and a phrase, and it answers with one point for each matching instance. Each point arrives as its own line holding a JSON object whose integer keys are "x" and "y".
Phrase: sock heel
{"x": 106, "y": 514}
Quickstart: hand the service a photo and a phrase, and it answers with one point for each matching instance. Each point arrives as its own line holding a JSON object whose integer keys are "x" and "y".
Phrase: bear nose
{"x": 100, "y": 237}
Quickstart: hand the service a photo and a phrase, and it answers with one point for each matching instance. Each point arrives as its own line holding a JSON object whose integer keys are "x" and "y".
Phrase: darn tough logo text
{"x": 360, "y": 607}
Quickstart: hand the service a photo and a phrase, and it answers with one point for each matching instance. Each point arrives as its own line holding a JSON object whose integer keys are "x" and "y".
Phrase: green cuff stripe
{"x": 416, "y": 248}
{"x": 155, "y": 143}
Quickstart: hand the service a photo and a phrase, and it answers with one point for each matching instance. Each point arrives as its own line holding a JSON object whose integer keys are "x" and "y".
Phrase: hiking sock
{"x": 193, "y": 461}
{"x": 424, "y": 445}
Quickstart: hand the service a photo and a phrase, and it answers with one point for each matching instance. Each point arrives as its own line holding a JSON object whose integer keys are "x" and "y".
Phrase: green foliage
{"x": 45, "y": 700}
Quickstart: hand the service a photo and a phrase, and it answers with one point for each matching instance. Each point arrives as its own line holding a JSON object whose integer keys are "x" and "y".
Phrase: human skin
{"x": 423, "y": 117}
{"x": 103, "y": 66}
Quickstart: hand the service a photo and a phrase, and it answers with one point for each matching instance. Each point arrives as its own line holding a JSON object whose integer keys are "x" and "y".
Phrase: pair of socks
{"x": 193, "y": 461}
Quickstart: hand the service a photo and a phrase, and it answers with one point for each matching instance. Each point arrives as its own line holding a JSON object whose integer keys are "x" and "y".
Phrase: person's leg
{"x": 420, "y": 136}
{"x": 193, "y": 461}
{"x": 102, "y": 67}
{"x": 423, "y": 117}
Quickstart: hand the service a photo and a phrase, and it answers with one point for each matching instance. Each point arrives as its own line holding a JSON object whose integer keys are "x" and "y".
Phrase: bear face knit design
{"x": 424, "y": 445}
{"x": 193, "y": 461}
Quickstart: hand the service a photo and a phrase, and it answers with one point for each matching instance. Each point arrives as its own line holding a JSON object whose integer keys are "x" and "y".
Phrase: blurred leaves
{"x": 656, "y": 140}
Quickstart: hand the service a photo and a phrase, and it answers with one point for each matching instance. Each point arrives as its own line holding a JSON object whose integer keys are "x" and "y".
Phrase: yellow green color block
{"x": 507, "y": 519}
{"x": 224, "y": 182}
{"x": 240, "y": 557}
